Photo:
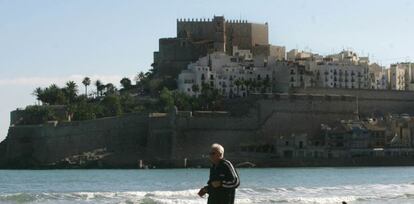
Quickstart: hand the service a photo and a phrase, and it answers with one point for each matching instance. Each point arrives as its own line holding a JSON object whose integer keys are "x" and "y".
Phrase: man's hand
{"x": 202, "y": 192}
{"x": 216, "y": 184}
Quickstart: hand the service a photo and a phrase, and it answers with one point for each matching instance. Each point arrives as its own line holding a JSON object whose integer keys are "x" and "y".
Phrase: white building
{"x": 408, "y": 74}
{"x": 396, "y": 77}
{"x": 241, "y": 74}
{"x": 296, "y": 55}
{"x": 377, "y": 77}
{"x": 342, "y": 70}
{"x": 232, "y": 76}
{"x": 334, "y": 75}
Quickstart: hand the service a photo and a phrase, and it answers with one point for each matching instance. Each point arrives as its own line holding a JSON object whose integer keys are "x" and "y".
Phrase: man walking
{"x": 223, "y": 180}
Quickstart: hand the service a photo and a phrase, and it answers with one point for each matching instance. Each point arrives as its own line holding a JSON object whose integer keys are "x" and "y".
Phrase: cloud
{"x": 60, "y": 80}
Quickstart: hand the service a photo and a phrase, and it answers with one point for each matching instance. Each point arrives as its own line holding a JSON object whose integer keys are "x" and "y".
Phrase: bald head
{"x": 219, "y": 149}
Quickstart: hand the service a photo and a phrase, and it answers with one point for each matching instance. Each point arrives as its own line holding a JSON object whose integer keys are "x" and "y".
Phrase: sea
{"x": 268, "y": 185}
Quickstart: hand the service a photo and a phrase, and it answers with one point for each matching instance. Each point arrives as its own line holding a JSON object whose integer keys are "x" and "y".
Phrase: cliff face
{"x": 166, "y": 140}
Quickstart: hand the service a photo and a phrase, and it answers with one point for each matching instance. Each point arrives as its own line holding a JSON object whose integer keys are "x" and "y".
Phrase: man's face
{"x": 214, "y": 156}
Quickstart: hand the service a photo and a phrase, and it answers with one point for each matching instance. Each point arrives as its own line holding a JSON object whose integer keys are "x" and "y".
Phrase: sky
{"x": 51, "y": 41}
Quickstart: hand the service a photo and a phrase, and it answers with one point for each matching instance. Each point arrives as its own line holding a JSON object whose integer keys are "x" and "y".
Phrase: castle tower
{"x": 220, "y": 33}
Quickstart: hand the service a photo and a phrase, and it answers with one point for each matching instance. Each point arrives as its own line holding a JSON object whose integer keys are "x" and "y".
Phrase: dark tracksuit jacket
{"x": 227, "y": 174}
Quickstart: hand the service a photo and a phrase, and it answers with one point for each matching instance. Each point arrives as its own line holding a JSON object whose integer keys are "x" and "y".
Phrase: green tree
{"x": 166, "y": 99}
{"x": 140, "y": 76}
{"x": 182, "y": 101}
{"x": 99, "y": 87}
{"x": 195, "y": 88}
{"x": 53, "y": 95}
{"x": 210, "y": 98}
{"x": 71, "y": 91}
{"x": 266, "y": 84}
{"x": 248, "y": 84}
{"x": 83, "y": 110}
{"x": 238, "y": 84}
{"x": 86, "y": 82}
{"x": 111, "y": 106}
{"x": 128, "y": 103}
{"x": 39, "y": 93}
{"x": 126, "y": 83}
{"x": 110, "y": 89}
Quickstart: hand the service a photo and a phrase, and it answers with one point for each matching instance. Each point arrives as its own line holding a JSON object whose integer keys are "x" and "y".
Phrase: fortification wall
{"x": 284, "y": 115}
{"x": 217, "y": 123}
{"x": 273, "y": 116}
{"x": 260, "y": 34}
{"x": 124, "y": 138}
{"x": 373, "y": 101}
{"x": 172, "y": 137}
{"x": 243, "y": 34}
{"x": 196, "y": 29}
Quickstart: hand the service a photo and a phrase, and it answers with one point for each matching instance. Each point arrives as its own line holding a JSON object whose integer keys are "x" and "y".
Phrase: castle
{"x": 199, "y": 37}
{"x": 316, "y": 121}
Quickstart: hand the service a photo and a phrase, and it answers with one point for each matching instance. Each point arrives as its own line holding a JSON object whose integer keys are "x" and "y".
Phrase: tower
{"x": 219, "y": 33}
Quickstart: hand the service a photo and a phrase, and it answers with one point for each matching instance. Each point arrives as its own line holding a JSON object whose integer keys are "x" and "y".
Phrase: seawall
{"x": 167, "y": 140}
{"x": 121, "y": 139}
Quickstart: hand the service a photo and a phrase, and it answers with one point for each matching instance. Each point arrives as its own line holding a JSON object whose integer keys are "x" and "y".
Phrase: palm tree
{"x": 71, "y": 90}
{"x": 86, "y": 82}
{"x": 99, "y": 87}
{"x": 39, "y": 93}
{"x": 53, "y": 95}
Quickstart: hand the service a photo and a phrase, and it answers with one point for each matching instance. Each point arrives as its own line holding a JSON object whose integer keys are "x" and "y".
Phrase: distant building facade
{"x": 404, "y": 73}
{"x": 232, "y": 76}
{"x": 377, "y": 77}
{"x": 343, "y": 70}
{"x": 197, "y": 38}
{"x": 396, "y": 77}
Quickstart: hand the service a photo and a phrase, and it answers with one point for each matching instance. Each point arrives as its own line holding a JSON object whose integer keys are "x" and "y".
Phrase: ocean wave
{"x": 378, "y": 193}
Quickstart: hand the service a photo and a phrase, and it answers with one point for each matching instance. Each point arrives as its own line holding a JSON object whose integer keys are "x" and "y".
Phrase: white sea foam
{"x": 378, "y": 193}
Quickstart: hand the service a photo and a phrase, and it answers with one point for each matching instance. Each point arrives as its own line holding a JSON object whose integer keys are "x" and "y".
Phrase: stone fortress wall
{"x": 167, "y": 139}
{"x": 36, "y": 145}
{"x": 239, "y": 33}
{"x": 373, "y": 101}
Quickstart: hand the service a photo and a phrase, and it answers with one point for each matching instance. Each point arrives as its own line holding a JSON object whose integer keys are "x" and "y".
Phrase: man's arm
{"x": 204, "y": 190}
{"x": 231, "y": 179}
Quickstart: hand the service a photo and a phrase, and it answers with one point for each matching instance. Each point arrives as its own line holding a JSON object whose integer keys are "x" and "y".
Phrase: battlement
{"x": 194, "y": 20}
{"x": 204, "y": 20}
